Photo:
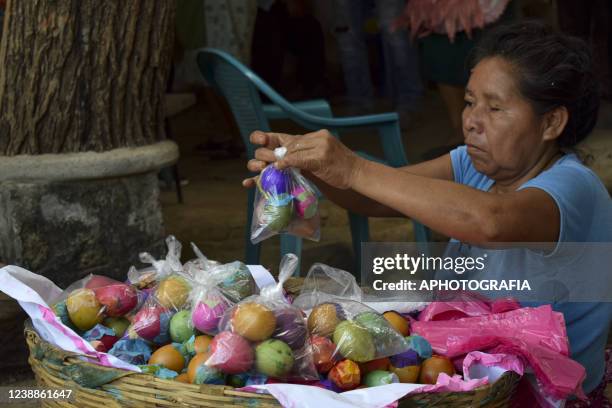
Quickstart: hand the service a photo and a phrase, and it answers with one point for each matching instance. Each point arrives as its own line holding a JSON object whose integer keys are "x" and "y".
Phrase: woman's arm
{"x": 459, "y": 211}
{"x": 439, "y": 168}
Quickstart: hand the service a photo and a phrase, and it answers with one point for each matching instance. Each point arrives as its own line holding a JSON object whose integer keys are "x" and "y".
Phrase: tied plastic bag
{"x": 285, "y": 202}
{"x": 89, "y": 301}
{"x": 159, "y": 269}
{"x": 208, "y": 304}
{"x": 200, "y": 263}
{"x": 323, "y": 282}
{"x": 265, "y": 335}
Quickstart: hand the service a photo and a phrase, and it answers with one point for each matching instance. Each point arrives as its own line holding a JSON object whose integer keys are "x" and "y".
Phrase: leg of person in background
{"x": 401, "y": 60}
{"x": 348, "y": 29}
{"x": 269, "y": 43}
{"x": 305, "y": 41}
{"x": 453, "y": 97}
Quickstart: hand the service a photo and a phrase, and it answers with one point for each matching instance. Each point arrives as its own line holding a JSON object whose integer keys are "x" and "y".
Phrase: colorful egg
{"x": 385, "y": 337}
{"x": 354, "y": 342}
{"x": 305, "y": 202}
{"x": 345, "y": 375}
{"x": 237, "y": 380}
{"x": 323, "y": 353}
{"x": 408, "y": 374}
{"x": 239, "y": 284}
{"x": 152, "y": 323}
{"x": 433, "y": 366}
{"x": 274, "y": 358}
{"x": 290, "y": 327}
{"x": 208, "y": 312}
{"x": 276, "y": 217}
{"x": 274, "y": 181}
{"x": 118, "y": 324}
{"x": 324, "y": 318}
{"x": 398, "y": 322}
{"x": 181, "y": 328}
{"x": 84, "y": 309}
{"x": 253, "y": 321}
{"x": 380, "y": 377}
{"x": 200, "y": 373}
{"x": 201, "y": 344}
{"x": 172, "y": 292}
{"x": 184, "y": 378}
{"x": 118, "y": 298}
{"x": 230, "y": 353}
{"x": 169, "y": 357}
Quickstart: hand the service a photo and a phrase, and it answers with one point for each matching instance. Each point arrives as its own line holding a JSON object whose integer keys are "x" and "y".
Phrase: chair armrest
{"x": 317, "y": 107}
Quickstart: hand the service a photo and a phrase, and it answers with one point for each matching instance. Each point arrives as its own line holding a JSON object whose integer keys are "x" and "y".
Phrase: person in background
{"x": 288, "y": 27}
{"x": 447, "y": 30}
{"x": 400, "y": 57}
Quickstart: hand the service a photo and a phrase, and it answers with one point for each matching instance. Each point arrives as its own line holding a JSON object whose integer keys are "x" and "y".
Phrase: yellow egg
{"x": 84, "y": 309}
{"x": 201, "y": 343}
{"x": 408, "y": 374}
{"x": 168, "y": 357}
{"x": 323, "y": 319}
{"x": 253, "y": 321}
{"x": 172, "y": 292}
{"x": 398, "y": 322}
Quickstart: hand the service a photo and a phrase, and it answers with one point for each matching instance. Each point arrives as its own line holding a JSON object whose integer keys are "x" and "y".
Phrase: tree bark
{"x": 83, "y": 75}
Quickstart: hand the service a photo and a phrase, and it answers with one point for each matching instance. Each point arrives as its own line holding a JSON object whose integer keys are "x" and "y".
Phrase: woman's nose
{"x": 472, "y": 120}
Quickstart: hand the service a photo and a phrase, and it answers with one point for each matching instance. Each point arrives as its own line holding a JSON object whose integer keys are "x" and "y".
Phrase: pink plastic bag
{"x": 536, "y": 334}
{"x": 465, "y": 304}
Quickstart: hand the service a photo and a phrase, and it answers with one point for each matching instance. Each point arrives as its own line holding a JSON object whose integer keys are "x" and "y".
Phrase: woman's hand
{"x": 318, "y": 153}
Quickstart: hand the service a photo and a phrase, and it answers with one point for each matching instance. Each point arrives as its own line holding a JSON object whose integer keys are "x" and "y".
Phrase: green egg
{"x": 380, "y": 377}
{"x": 181, "y": 328}
{"x": 274, "y": 358}
{"x": 354, "y": 342}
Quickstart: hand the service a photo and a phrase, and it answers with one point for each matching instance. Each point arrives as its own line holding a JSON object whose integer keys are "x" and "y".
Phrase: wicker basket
{"x": 95, "y": 386}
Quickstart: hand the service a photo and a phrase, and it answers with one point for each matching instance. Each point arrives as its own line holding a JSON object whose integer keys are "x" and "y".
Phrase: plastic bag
{"x": 208, "y": 303}
{"x": 285, "y": 202}
{"x": 536, "y": 334}
{"x": 265, "y": 335}
{"x": 147, "y": 277}
{"x": 88, "y": 301}
{"x": 465, "y": 304}
{"x": 200, "y": 263}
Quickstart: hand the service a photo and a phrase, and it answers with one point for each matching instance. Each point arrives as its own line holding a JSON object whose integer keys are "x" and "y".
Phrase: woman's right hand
{"x": 264, "y": 155}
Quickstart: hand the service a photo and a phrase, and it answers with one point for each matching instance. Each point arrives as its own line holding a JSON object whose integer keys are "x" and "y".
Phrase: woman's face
{"x": 502, "y": 132}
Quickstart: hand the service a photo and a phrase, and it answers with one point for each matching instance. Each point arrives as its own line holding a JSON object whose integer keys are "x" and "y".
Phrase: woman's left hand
{"x": 318, "y": 153}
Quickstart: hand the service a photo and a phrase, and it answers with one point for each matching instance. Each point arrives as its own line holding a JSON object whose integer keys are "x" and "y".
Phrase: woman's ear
{"x": 554, "y": 123}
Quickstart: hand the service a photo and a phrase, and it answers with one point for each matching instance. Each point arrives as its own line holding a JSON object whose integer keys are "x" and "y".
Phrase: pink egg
{"x": 151, "y": 323}
{"x": 207, "y": 314}
{"x": 305, "y": 202}
{"x": 230, "y": 353}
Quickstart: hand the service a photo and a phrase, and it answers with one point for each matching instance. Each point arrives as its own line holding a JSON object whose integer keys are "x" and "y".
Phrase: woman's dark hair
{"x": 553, "y": 69}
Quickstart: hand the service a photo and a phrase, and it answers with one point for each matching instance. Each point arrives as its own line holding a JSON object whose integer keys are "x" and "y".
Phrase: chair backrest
{"x": 234, "y": 81}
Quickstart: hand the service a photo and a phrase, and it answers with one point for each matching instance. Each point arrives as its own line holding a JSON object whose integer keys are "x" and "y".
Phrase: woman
{"x": 531, "y": 97}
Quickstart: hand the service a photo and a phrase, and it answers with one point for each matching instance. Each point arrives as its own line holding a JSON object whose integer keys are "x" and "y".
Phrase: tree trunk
{"x": 83, "y": 75}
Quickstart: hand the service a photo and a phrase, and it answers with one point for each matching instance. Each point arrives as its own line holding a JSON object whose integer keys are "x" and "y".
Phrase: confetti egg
{"x": 208, "y": 312}
{"x": 253, "y": 321}
{"x": 151, "y": 323}
{"x": 200, "y": 373}
{"x": 84, "y": 309}
{"x": 345, "y": 375}
{"x": 273, "y": 181}
{"x": 172, "y": 292}
{"x": 181, "y": 328}
{"x": 323, "y": 353}
{"x": 324, "y": 318}
{"x": 380, "y": 377}
{"x": 230, "y": 353}
{"x": 385, "y": 337}
{"x": 276, "y": 215}
{"x": 306, "y": 202}
{"x": 168, "y": 357}
{"x": 239, "y": 284}
{"x": 406, "y": 366}
{"x": 273, "y": 358}
{"x": 398, "y": 322}
{"x": 354, "y": 342}
{"x": 290, "y": 327}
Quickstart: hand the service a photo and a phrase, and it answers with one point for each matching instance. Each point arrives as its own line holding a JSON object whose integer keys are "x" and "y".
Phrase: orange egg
{"x": 398, "y": 322}
{"x": 168, "y": 357}
{"x": 184, "y": 378}
{"x": 198, "y": 360}
{"x": 433, "y": 366}
{"x": 201, "y": 344}
{"x": 408, "y": 374}
{"x": 253, "y": 321}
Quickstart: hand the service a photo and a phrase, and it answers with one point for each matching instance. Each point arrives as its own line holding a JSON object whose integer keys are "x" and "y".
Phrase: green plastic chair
{"x": 242, "y": 89}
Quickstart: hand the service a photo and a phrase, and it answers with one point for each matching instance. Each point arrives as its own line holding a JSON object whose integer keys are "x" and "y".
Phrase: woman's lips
{"x": 473, "y": 149}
